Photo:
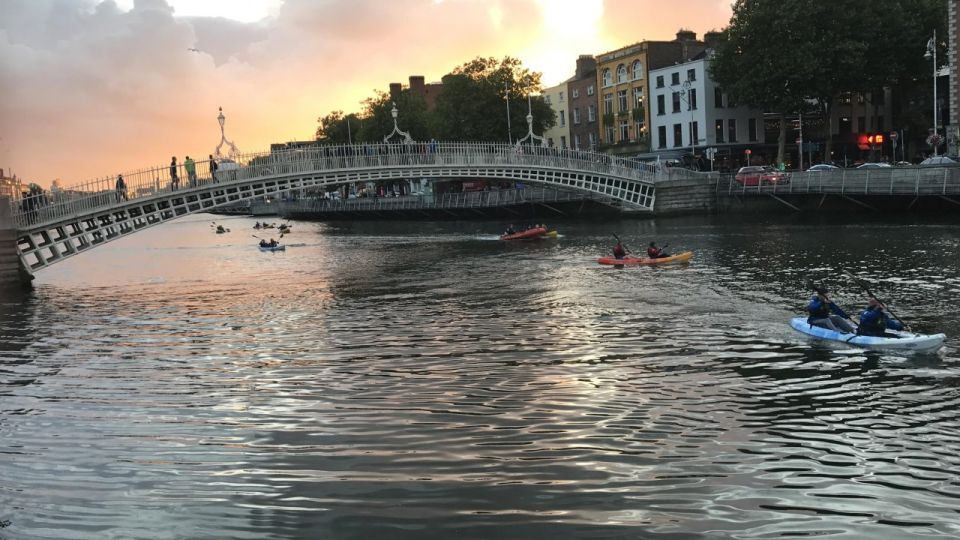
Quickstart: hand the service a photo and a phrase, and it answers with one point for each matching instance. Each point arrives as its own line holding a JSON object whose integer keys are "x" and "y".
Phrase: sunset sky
{"x": 91, "y": 88}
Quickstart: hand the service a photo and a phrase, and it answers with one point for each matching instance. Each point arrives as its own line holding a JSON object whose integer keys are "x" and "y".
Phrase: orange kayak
{"x": 535, "y": 232}
{"x": 679, "y": 257}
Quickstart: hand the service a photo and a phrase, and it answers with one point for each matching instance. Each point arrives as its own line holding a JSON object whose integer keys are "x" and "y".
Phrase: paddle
{"x": 866, "y": 289}
{"x": 625, "y": 250}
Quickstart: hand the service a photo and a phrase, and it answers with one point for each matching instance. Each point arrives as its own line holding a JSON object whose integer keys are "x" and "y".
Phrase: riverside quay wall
{"x": 906, "y": 189}
{"x": 11, "y": 275}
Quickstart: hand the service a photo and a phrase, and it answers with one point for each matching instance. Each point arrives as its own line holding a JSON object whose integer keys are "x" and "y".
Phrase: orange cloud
{"x": 93, "y": 91}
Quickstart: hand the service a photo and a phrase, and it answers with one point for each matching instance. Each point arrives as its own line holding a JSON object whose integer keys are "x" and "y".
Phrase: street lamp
{"x": 932, "y": 54}
{"x": 683, "y": 93}
{"x": 506, "y": 95}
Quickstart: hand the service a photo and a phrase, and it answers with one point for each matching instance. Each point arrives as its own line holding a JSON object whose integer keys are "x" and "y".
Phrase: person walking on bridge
{"x": 191, "y": 167}
{"x": 174, "y": 181}
{"x": 121, "y": 189}
{"x": 213, "y": 169}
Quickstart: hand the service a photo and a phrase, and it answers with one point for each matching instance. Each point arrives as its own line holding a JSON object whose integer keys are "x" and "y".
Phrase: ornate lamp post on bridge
{"x": 934, "y": 139}
{"x": 530, "y": 135}
{"x": 223, "y": 139}
{"x": 396, "y": 130}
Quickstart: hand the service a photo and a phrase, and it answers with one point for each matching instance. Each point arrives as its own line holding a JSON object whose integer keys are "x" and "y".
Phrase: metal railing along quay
{"x": 917, "y": 181}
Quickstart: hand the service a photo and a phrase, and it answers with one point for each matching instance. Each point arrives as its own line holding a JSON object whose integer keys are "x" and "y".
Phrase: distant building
{"x": 10, "y": 186}
{"x": 623, "y": 84}
{"x": 418, "y": 86}
{"x": 690, "y": 113}
{"x": 559, "y": 135}
{"x": 583, "y": 104}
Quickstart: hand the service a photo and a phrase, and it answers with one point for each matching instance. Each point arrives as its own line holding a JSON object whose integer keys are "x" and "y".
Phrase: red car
{"x": 761, "y": 175}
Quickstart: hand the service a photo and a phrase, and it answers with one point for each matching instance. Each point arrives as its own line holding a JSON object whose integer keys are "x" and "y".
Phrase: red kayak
{"x": 535, "y": 232}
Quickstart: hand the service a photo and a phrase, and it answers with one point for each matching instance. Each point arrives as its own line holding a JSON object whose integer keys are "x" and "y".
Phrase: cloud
{"x": 91, "y": 89}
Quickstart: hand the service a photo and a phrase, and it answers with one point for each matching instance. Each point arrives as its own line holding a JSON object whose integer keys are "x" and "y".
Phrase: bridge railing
{"x": 882, "y": 181}
{"x": 104, "y": 192}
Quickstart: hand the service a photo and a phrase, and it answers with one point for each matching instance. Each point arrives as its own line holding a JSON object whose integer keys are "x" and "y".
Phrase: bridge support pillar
{"x": 12, "y": 274}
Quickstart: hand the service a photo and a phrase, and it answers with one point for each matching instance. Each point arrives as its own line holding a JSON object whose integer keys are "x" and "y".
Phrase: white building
{"x": 684, "y": 100}
{"x": 559, "y": 135}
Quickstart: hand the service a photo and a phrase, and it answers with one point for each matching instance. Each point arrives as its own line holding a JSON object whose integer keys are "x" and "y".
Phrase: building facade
{"x": 690, "y": 113}
{"x": 10, "y": 186}
{"x": 559, "y": 135}
{"x": 583, "y": 105}
{"x": 623, "y": 86}
{"x": 953, "y": 122}
{"x": 418, "y": 86}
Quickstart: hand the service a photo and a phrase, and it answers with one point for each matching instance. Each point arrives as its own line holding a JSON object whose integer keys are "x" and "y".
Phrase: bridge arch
{"x": 80, "y": 218}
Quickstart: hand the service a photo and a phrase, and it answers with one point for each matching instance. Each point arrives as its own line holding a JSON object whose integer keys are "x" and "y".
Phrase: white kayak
{"x": 905, "y": 341}
{"x": 273, "y": 248}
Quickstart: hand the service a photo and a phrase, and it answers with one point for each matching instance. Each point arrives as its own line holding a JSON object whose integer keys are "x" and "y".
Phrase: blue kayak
{"x": 905, "y": 341}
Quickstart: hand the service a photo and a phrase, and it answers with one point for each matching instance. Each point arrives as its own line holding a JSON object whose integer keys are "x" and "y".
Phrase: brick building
{"x": 582, "y": 105}
{"x": 428, "y": 91}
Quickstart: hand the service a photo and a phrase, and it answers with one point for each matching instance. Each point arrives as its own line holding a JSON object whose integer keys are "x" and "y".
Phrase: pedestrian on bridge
{"x": 191, "y": 167}
{"x": 174, "y": 181}
{"x": 121, "y": 189}
{"x": 213, "y": 169}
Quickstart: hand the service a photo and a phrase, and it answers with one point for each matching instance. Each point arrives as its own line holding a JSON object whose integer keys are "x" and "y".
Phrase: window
{"x": 576, "y": 116}
{"x": 691, "y": 75}
{"x": 718, "y": 98}
{"x": 861, "y": 124}
{"x": 695, "y": 134}
{"x": 845, "y": 98}
{"x": 637, "y": 70}
{"x": 638, "y": 98}
{"x": 662, "y": 137}
{"x": 845, "y": 126}
{"x": 561, "y": 97}
{"x": 718, "y": 131}
{"x": 592, "y": 137}
{"x": 676, "y": 102}
{"x": 752, "y": 129}
{"x": 659, "y": 81}
{"x": 550, "y": 142}
{"x": 576, "y": 141}
{"x": 590, "y": 90}
{"x": 661, "y": 107}
{"x": 610, "y": 134}
{"x": 675, "y": 78}
{"x": 607, "y": 78}
{"x": 622, "y": 100}
{"x": 592, "y": 113}
{"x": 621, "y": 73}
{"x": 563, "y": 118}
{"x": 563, "y": 141}
{"x": 861, "y": 98}
{"x": 677, "y": 135}
{"x": 624, "y": 130}
{"x": 575, "y": 93}
{"x": 639, "y": 127}
{"x": 732, "y": 130}
{"x": 692, "y": 99}
{"x": 608, "y": 104}
{"x": 547, "y": 99}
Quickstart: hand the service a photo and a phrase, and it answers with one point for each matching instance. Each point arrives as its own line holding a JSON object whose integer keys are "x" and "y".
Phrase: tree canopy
{"x": 471, "y": 106}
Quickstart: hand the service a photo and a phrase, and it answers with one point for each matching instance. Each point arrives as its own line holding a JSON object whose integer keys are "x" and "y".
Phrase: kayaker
{"x": 825, "y": 314}
{"x": 654, "y": 252}
{"x": 874, "y": 321}
{"x": 510, "y": 230}
{"x": 618, "y": 251}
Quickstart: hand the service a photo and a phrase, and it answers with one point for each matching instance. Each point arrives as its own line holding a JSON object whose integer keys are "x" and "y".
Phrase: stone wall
{"x": 10, "y": 274}
{"x": 686, "y": 196}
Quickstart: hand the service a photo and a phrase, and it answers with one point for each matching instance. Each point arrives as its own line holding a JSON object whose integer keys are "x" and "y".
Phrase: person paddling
{"x": 654, "y": 252}
{"x": 618, "y": 251}
{"x": 825, "y": 314}
{"x": 874, "y": 321}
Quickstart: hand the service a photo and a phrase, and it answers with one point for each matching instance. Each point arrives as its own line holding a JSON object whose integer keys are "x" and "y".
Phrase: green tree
{"x": 412, "y": 116}
{"x": 781, "y": 55}
{"x": 335, "y": 128}
{"x": 472, "y": 104}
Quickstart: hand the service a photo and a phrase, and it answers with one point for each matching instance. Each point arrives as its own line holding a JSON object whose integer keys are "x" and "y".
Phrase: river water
{"x": 424, "y": 380}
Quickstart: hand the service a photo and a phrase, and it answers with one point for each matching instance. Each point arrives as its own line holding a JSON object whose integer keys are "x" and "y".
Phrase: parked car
{"x": 823, "y": 167}
{"x": 758, "y": 175}
{"x": 875, "y": 165}
{"x": 937, "y": 161}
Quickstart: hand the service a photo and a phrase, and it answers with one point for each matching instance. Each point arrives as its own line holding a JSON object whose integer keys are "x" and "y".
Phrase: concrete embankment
{"x": 11, "y": 276}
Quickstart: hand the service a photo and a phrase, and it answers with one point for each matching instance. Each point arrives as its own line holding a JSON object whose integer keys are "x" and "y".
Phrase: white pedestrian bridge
{"x": 54, "y": 226}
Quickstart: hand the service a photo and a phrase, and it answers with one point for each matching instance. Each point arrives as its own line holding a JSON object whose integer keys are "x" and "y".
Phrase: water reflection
{"x": 428, "y": 381}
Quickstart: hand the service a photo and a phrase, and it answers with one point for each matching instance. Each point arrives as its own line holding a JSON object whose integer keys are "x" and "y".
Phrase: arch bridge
{"x": 55, "y": 226}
